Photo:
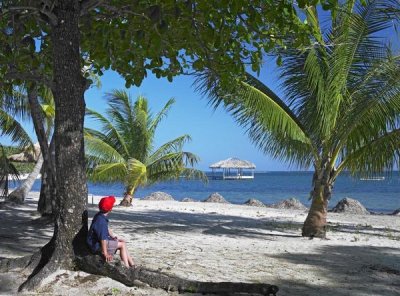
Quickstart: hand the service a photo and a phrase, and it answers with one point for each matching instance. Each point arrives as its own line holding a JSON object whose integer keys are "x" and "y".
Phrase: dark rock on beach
{"x": 350, "y": 206}
{"x": 396, "y": 212}
{"x": 188, "y": 199}
{"x": 216, "y": 197}
{"x": 254, "y": 203}
{"x": 158, "y": 195}
{"x": 291, "y": 203}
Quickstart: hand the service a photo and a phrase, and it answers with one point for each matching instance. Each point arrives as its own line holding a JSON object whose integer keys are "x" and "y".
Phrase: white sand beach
{"x": 225, "y": 242}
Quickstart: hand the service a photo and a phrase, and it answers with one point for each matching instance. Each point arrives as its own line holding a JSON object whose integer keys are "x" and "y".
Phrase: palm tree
{"x": 12, "y": 128}
{"x": 19, "y": 105}
{"x": 7, "y": 170}
{"x": 124, "y": 149}
{"x": 342, "y": 104}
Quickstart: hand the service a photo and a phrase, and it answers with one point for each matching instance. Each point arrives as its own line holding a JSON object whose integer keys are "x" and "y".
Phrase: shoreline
{"x": 270, "y": 188}
{"x": 228, "y": 242}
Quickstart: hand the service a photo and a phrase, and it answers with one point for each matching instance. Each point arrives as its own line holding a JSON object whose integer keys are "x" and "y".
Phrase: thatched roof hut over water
{"x": 234, "y": 168}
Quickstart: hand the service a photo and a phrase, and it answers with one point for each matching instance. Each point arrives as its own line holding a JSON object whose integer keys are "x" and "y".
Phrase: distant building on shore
{"x": 233, "y": 169}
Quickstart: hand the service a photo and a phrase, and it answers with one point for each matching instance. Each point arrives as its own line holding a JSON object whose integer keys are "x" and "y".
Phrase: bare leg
{"x": 123, "y": 253}
{"x": 130, "y": 260}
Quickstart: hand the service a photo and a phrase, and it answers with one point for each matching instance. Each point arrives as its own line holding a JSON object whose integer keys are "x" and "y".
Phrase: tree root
{"x": 133, "y": 276}
{"x": 10, "y": 264}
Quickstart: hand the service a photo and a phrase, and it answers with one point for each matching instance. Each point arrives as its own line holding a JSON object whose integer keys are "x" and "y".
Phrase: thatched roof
{"x": 26, "y": 156}
{"x": 233, "y": 163}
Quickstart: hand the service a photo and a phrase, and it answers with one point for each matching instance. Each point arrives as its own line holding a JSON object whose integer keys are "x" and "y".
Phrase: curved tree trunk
{"x": 127, "y": 200}
{"x": 19, "y": 194}
{"x": 315, "y": 223}
{"x": 46, "y": 204}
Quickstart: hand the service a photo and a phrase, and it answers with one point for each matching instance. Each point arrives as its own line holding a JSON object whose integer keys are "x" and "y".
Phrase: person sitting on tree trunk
{"x": 102, "y": 240}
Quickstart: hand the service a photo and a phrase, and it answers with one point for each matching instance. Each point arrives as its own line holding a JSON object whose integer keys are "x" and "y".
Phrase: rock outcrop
{"x": 215, "y": 197}
{"x": 254, "y": 203}
{"x": 396, "y": 212}
{"x": 158, "y": 195}
{"x": 188, "y": 199}
{"x": 350, "y": 206}
{"x": 291, "y": 203}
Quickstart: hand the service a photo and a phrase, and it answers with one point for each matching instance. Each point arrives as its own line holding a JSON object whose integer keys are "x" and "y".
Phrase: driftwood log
{"x": 139, "y": 276}
{"x": 94, "y": 264}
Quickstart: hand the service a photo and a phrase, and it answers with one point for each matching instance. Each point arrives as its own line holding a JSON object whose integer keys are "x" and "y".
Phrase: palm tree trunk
{"x": 315, "y": 223}
{"x": 47, "y": 198}
{"x": 48, "y": 187}
{"x": 19, "y": 194}
{"x": 128, "y": 197}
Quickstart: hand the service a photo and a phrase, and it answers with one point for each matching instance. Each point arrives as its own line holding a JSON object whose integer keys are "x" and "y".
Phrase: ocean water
{"x": 271, "y": 187}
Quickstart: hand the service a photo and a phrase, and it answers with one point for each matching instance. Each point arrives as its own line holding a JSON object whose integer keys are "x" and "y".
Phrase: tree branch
{"x": 40, "y": 79}
{"x": 45, "y": 9}
{"x": 135, "y": 276}
{"x": 87, "y": 5}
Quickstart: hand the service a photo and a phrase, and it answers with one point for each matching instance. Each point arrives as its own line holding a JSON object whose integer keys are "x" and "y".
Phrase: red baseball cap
{"x": 106, "y": 203}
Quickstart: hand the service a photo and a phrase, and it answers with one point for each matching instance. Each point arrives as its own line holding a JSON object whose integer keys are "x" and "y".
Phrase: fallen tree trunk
{"x": 94, "y": 264}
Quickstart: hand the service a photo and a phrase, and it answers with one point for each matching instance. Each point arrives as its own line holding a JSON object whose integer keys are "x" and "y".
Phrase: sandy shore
{"x": 220, "y": 242}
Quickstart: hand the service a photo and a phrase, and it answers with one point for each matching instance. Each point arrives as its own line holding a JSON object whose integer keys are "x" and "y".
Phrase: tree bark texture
{"x": 68, "y": 90}
{"x": 315, "y": 223}
{"x": 127, "y": 200}
{"x": 46, "y": 204}
{"x": 137, "y": 276}
{"x": 48, "y": 190}
{"x": 20, "y": 193}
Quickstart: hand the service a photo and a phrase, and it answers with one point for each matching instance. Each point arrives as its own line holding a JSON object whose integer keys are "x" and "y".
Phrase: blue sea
{"x": 270, "y": 187}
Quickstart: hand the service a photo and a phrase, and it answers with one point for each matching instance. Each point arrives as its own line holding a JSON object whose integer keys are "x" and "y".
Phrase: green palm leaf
{"x": 123, "y": 150}
{"x": 12, "y": 128}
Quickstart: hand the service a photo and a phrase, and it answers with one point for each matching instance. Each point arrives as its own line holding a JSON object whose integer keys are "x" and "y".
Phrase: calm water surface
{"x": 270, "y": 187}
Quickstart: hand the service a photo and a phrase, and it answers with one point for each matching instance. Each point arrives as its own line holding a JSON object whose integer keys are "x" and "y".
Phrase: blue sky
{"x": 215, "y": 135}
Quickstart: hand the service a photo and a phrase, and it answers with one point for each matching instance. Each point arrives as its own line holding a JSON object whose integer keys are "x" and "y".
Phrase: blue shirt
{"x": 98, "y": 231}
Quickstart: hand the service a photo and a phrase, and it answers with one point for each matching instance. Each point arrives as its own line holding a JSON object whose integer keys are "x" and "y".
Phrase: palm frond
{"x": 108, "y": 172}
{"x": 174, "y": 145}
{"x": 16, "y": 104}
{"x": 264, "y": 115}
{"x": 161, "y": 115}
{"x": 376, "y": 156}
{"x": 101, "y": 151}
{"x": 137, "y": 174}
{"x": 111, "y": 134}
{"x": 375, "y": 104}
{"x": 170, "y": 166}
{"x": 12, "y": 128}
{"x": 190, "y": 173}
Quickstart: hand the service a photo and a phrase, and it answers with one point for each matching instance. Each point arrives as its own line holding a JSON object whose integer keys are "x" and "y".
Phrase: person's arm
{"x": 108, "y": 257}
{"x": 111, "y": 234}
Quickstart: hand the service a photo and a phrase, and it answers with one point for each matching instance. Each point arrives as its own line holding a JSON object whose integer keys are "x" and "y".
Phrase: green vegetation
{"x": 124, "y": 149}
{"x": 341, "y": 106}
{"x": 22, "y": 168}
{"x": 6, "y": 169}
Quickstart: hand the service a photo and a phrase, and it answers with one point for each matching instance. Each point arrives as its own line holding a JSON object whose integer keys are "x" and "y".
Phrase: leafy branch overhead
{"x": 167, "y": 38}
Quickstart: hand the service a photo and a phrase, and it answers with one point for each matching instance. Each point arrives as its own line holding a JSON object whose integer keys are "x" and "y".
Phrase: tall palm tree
{"x": 124, "y": 149}
{"x": 342, "y": 104}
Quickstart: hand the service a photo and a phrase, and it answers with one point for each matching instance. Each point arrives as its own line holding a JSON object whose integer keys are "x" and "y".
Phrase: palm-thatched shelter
{"x": 234, "y": 169}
